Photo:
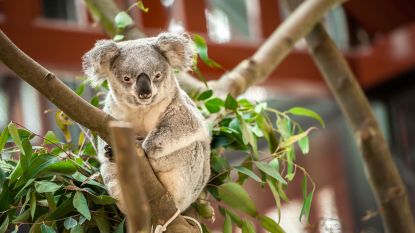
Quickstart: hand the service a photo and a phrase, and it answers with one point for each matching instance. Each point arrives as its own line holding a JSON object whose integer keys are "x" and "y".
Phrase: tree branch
{"x": 129, "y": 177}
{"x": 382, "y": 172}
{"x": 53, "y": 88}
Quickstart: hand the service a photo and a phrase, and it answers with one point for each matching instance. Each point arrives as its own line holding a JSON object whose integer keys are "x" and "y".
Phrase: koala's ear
{"x": 178, "y": 49}
{"x": 97, "y": 62}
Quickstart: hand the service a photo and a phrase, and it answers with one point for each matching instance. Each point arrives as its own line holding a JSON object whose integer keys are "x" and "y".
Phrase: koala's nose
{"x": 143, "y": 86}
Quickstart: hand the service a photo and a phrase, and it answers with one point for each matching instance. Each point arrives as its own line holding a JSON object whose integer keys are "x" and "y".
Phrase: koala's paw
{"x": 108, "y": 153}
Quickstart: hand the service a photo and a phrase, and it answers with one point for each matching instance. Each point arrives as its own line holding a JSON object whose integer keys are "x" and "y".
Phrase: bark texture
{"x": 381, "y": 170}
{"x": 129, "y": 177}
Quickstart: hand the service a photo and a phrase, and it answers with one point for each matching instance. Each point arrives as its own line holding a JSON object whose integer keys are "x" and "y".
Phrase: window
{"x": 231, "y": 20}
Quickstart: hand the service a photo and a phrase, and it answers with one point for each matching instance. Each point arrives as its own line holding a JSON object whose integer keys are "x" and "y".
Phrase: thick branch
{"x": 54, "y": 89}
{"x": 129, "y": 177}
{"x": 91, "y": 117}
{"x": 382, "y": 173}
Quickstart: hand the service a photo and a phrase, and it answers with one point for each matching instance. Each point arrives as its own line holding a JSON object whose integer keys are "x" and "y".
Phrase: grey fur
{"x": 176, "y": 137}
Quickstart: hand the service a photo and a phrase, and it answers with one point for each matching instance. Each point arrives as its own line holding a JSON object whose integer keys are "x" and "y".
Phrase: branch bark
{"x": 79, "y": 110}
{"x": 129, "y": 177}
{"x": 53, "y": 88}
{"x": 382, "y": 172}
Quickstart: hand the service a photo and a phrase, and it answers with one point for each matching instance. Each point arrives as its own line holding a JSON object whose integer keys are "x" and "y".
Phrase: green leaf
{"x": 231, "y": 103}
{"x": 50, "y": 138}
{"x": 47, "y": 229}
{"x": 3, "y": 137}
{"x": 303, "y": 143}
{"x": 46, "y": 186}
{"x": 227, "y": 225}
{"x": 77, "y": 229}
{"x": 118, "y": 37}
{"x": 65, "y": 167}
{"x": 248, "y": 227}
{"x": 284, "y": 127}
{"x": 235, "y": 196}
{"x": 80, "y": 89}
{"x": 81, "y": 205}
{"x": 213, "y": 105}
{"x": 101, "y": 219}
{"x": 295, "y": 138}
{"x": 205, "y": 95}
{"x": 62, "y": 210}
{"x": 122, "y": 20}
{"x": 120, "y": 227}
{"x": 4, "y": 225}
{"x": 141, "y": 6}
{"x": 95, "y": 101}
{"x": 306, "y": 112}
{"x": 23, "y": 217}
{"x": 32, "y": 205}
{"x": 102, "y": 199}
{"x": 270, "y": 225}
{"x": 69, "y": 223}
{"x": 249, "y": 173}
{"x": 271, "y": 171}
{"x": 305, "y": 211}
{"x": 274, "y": 190}
{"x": 15, "y": 135}
{"x": 202, "y": 50}
{"x": 234, "y": 217}
{"x": 259, "y": 108}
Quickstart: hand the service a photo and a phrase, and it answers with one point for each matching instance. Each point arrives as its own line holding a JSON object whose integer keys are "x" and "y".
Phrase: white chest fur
{"x": 144, "y": 118}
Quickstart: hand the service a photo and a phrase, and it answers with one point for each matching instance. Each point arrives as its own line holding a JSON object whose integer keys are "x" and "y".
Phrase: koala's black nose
{"x": 143, "y": 86}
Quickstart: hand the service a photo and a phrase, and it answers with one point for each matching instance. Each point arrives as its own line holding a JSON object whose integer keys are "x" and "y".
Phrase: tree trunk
{"x": 381, "y": 170}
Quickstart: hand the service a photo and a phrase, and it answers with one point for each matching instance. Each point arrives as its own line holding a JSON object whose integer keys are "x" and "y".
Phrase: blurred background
{"x": 377, "y": 38}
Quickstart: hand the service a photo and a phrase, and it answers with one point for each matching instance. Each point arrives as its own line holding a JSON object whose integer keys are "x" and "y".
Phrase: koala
{"x": 143, "y": 90}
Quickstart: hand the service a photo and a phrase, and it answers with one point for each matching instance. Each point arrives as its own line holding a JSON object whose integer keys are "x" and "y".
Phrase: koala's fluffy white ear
{"x": 178, "y": 49}
{"x": 97, "y": 62}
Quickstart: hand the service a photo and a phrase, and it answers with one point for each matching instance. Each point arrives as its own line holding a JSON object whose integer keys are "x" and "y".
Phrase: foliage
{"x": 55, "y": 185}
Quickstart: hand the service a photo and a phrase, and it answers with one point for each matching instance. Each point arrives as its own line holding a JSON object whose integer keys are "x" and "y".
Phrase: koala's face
{"x": 143, "y": 79}
{"x": 139, "y": 72}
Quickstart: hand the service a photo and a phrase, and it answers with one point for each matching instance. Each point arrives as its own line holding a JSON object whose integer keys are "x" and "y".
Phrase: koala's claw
{"x": 108, "y": 152}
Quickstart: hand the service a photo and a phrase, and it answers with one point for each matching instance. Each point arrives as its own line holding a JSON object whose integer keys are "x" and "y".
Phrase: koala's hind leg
{"x": 110, "y": 178}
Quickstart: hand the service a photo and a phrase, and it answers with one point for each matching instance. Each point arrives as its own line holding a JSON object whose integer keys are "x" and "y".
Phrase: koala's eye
{"x": 126, "y": 79}
{"x": 158, "y": 75}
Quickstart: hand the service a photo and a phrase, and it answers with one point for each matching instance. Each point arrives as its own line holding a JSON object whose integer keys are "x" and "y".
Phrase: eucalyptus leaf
{"x": 81, "y": 205}
{"x": 4, "y": 225}
{"x": 235, "y": 196}
{"x": 46, "y": 186}
{"x": 249, "y": 173}
{"x": 205, "y": 95}
{"x": 122, "y": 20}
{"x": 214, "y": 105}
{"x": 47, "y": 229}
{"x": 270, "y": 225}
{"x": 271, "y": 171}
{"x": 227, "y": 225}
{"x": 70, "y": 223}
{"x": 202, "y": 50}
{"x": 3, "y": 138}
{"x": 298, "y": 111}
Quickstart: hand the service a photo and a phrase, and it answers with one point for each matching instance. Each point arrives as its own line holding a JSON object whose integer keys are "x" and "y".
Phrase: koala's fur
{"x": 173, "y": 133}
